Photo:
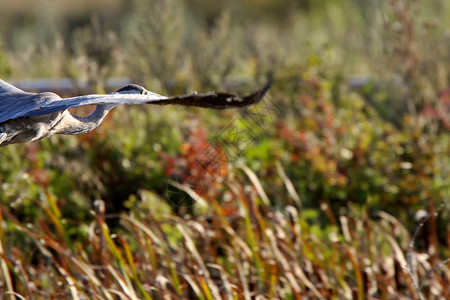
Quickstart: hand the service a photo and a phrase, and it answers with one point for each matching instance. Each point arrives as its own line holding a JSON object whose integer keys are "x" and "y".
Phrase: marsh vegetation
{"x": 337, "y": 186}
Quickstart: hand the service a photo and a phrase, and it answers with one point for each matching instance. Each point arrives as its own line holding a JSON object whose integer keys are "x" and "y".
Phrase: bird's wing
{"x": 208, "y": 100}
{"x": 15, "y": 103}
{"x": 7, "y": 88}
{"x": 217, "y": 100}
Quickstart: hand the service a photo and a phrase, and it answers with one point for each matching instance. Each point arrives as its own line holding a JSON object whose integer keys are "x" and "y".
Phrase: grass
{"x": 239, "y": 251}
{"x": 332, "y": 188}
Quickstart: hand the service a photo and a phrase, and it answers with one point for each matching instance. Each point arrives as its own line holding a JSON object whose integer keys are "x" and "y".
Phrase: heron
{"x": 28, "y": 117}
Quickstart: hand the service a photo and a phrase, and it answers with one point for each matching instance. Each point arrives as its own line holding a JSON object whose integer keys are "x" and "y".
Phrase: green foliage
{"x": 97, "y": 48}
{"x": 153, "y": 35}
{"x": 5, "y": 69}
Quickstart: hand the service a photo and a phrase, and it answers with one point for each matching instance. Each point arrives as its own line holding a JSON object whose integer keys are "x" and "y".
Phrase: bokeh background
{"x": 336, "y": 186}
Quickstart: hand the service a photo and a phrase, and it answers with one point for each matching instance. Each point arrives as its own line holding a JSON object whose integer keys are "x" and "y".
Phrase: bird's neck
{"x": 77, "y": 125}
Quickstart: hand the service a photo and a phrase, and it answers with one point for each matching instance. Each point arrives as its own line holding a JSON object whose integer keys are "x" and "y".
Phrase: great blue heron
{"x": 27, "y": 117}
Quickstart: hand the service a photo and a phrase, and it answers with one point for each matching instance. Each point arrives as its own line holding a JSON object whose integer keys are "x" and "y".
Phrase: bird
{"x": 28, "y": 117}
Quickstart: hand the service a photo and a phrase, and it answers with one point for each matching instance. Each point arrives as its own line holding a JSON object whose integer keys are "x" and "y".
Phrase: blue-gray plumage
{"x": 28, "y": 117}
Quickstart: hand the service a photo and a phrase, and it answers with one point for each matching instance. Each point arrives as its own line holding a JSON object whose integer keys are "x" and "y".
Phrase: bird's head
{"x": 133, "y": 89}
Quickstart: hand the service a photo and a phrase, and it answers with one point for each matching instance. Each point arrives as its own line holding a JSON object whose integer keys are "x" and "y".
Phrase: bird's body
{"x": 28, "y": 117}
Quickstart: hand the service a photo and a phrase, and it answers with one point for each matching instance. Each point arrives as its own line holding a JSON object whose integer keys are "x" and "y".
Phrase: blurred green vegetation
{"x": 354, "y": 130}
